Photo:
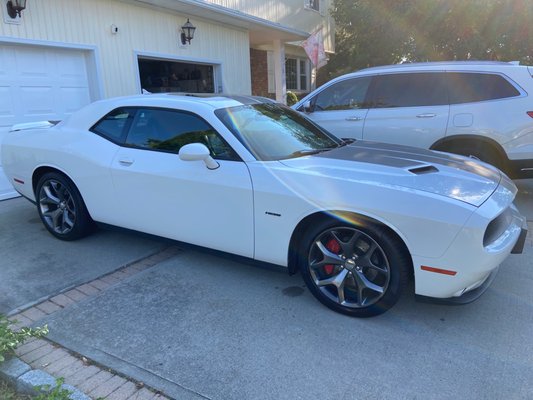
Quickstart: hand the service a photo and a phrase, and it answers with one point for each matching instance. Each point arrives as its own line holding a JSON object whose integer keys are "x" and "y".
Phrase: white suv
{"x": 478, "y": 109}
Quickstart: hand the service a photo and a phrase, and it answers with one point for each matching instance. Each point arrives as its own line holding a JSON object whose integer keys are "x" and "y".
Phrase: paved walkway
{"x": 95, "y": 380}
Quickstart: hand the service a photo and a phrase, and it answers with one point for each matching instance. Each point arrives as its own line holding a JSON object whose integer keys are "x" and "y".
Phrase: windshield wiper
{"x": 300, "y": 153}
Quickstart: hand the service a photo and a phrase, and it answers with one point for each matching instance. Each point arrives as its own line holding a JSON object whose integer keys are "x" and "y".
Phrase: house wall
{"x": 141, "y": 30}
{"x": 292, "y": 13}
{"x": 259, "y": 70}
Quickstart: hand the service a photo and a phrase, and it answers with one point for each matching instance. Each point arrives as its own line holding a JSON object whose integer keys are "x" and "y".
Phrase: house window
{"x": 297, "y": 74}
{"x": 312, "y": 4}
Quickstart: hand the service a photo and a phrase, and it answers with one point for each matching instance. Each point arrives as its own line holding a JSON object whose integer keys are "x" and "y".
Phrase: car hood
{"x": 449, "y": 175}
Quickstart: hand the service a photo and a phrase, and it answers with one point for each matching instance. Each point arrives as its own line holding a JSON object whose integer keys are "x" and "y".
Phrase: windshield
{"x": 274, "y": 132}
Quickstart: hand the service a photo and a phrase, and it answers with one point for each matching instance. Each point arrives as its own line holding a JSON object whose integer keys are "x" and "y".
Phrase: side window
{"x": 115, "y": 124}
{"x": 465, "y": 87}
{"x": 344, "y": 95}
{"x": 409, "y": 90}
{"x": 169, "y": 130}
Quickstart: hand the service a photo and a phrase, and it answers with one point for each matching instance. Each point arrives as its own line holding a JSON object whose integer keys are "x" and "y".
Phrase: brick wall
{"x": 259, "y": 70}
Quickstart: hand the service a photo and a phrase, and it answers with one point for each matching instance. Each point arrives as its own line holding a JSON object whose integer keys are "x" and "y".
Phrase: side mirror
{"x": 197, "y": 152}
{"x": 307, "y": 106}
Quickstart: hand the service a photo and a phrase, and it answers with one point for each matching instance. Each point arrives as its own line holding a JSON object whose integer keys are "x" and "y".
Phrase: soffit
{"x": 261, "y": 30}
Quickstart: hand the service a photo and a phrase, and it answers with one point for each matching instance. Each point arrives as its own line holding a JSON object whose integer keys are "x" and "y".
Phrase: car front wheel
{"x": 61, "y": 207}
{"x": 355, "y": 270}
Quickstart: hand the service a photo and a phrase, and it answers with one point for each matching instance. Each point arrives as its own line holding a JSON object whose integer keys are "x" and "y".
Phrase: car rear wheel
{"x": 355, "y": 270}
{"x": 61, "y": 207}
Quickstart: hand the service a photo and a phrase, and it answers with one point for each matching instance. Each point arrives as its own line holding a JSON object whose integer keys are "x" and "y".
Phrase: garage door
{"x": 39, "y": 83}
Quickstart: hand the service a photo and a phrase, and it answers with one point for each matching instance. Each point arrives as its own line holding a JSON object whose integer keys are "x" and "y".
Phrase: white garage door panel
{"x": 39, "y": 83}
{"x": 7, "y": 108}
{"x": 74, "y": 98}
{"x": 45, "y": 82}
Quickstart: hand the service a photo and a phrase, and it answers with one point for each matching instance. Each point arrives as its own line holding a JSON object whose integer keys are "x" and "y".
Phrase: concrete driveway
{"x": 34, "y": 265}
{"x": 200, "y": 326}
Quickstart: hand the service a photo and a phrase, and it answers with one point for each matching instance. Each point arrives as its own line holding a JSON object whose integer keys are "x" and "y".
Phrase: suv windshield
{"x": 272, "y": 132}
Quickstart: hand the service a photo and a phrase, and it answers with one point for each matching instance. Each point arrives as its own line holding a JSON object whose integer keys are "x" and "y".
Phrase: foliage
{"x": 291, "y": 98}
{"x": 10, "y": 339}
{"x": 379, "y": 32}
{"x": 8, "y": 393}
{"x": 47, "y": 392}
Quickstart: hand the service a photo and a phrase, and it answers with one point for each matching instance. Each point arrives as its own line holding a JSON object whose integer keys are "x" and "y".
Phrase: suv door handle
{"x": 126, "y": 161}
{"x": 428, "y": 115}
{"x": 354, "y": 119}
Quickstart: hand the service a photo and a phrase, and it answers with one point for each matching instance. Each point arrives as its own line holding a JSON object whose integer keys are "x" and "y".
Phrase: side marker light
{"x": 438, "y": 270}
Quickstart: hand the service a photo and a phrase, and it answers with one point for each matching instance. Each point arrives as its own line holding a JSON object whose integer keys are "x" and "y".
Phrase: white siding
{"x": 292, "y": 13}
{"x": 140, "y": 29}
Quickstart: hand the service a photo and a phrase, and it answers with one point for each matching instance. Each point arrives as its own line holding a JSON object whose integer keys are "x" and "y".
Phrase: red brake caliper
{"x": 333, "y": 246}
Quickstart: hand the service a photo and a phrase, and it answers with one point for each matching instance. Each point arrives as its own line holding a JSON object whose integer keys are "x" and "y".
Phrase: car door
{"x": 341, "y": 107}
{"x": 161, "y": 194}
{"x": 407, "y": 108}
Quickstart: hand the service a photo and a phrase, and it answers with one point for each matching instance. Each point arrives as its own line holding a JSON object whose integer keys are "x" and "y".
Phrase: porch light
{"x": 187, "y": 32}
{"x": 15, "y": 7}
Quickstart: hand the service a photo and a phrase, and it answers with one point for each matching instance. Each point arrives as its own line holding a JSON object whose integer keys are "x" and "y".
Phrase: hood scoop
{"x": 424, "y": 169}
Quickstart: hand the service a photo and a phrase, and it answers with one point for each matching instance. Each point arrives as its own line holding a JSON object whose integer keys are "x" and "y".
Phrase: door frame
{"x": 216, "y": 64}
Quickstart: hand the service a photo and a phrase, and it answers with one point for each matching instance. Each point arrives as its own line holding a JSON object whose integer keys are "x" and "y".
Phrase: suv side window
{"x": 409, "y": 90}
{"x": 348, "y": 94}
{"x": 169, "y": 130}
{"x": 469, "y": 87}
{"x": 115, "y": 125}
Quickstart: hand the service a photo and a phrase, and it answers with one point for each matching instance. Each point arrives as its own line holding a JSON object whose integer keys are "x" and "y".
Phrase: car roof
{"x": 215, "y": 100}
{"x": 90, "y": 114}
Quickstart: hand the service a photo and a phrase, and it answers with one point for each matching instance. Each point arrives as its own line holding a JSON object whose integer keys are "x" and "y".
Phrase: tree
{"x": 378, "y": 32}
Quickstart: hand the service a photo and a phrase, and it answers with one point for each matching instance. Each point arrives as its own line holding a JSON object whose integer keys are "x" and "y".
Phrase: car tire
{"x": 61, "y": 207}
{"x": 357, "y": 270}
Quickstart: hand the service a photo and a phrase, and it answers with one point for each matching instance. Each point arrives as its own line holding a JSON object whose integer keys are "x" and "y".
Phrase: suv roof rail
{"x": 435, "y": 63}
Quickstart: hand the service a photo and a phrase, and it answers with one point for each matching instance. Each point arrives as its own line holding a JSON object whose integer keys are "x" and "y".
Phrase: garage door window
{"x": 170, "y": 76}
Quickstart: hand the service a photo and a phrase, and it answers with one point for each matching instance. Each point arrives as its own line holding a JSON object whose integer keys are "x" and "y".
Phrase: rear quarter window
{"x": 114, "y": 126}
{"x": 470, "y": 87}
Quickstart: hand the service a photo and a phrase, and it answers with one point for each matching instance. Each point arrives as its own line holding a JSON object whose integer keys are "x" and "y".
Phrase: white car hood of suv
{"x": 449, "y": 175}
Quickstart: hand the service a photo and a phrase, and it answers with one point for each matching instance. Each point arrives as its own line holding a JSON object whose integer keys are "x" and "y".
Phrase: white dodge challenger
{"x": 253, "y": 178}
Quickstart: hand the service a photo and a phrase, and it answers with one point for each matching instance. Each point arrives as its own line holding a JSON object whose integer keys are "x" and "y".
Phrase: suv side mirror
{"x": 197, "y": 152}
{"x": 306, "y": 107}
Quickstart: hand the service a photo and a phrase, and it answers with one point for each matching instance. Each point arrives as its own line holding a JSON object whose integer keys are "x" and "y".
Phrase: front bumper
{"x": 519, "y": 246}
{"x": 466, "y": 297}
{"x": 494, "y": 231}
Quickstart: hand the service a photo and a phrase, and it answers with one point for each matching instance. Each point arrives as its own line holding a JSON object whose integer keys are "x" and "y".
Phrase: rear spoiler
{"x": 33, "y": 125}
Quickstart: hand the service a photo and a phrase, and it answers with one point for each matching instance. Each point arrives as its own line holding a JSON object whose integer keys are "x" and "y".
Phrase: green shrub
{"x": 47, "y": 392}
{"x": 291, "y": 98}
{"x": 10, "y": 339}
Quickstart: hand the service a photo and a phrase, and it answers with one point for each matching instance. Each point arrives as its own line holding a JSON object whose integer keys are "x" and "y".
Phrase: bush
{"x": 46, "y": 392}
{"x": 10, "y": 340}
{"x": 291, "y": 98}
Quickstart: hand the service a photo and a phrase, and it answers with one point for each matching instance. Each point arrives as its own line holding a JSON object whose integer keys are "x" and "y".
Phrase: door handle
{"x": 126, "y": 161}
{"x": 354, "y": 118}
{"x": 428, "y": 115}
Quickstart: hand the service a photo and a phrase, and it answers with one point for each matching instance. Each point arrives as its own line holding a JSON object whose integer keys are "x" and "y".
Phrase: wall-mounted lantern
{"x": 187, "y": 32}
{"x": 15, "y": 7}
